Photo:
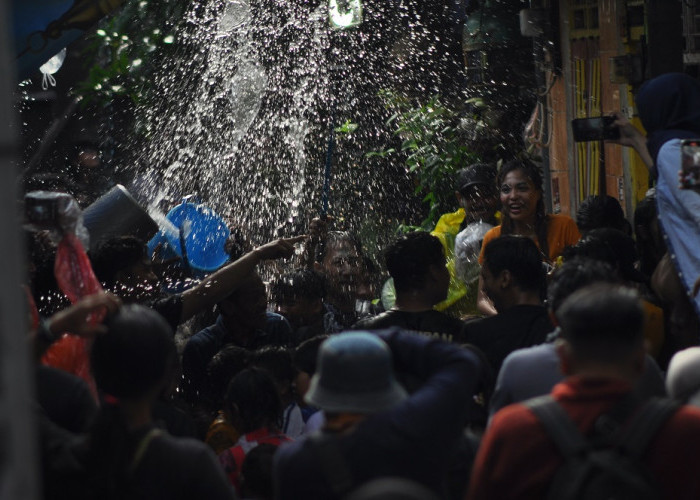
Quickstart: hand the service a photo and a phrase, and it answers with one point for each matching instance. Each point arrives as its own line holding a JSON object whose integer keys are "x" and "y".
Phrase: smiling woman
{"x": 520, "y": 185}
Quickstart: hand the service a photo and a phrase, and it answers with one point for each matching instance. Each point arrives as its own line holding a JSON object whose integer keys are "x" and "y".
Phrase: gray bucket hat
{"x": 355, "y": 375}
{"x": 683, "y": 376}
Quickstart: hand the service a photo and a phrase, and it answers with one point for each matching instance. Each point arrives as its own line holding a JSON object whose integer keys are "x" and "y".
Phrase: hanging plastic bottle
{"x": 50, "y": 67}
{"x": 344, "y": 14}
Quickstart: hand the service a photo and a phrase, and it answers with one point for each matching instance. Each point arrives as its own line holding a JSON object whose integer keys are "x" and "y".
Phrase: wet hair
{"x": 135, "y": 354}
{"x": 226, "y": 364}
{"x": 518, "y": 255}
{"x": 602, "y": 322}
{"x": 256, "y": 472}
{"x": 334, "y": 239}
{"x": 598, "y": 211}
{"x": 610, "y": 246}
{"x": 130, "y": 361}
{"x": 575, "y": 274}
{"x": 253, "y": 397}
{"x": 306, "y": 354}
{"x": 115, "y": 255}
{"x": 299, "y": 283}
{"x": 532, "y": 172}
{"x": 408, "y": 259}
{"x": 277, "y": 360}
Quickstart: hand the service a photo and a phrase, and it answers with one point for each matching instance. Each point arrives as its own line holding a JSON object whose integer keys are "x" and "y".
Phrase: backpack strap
{"x": 333, "y": 464}
{"x": 558, "y": 425}
{"x": 645, "y": 425}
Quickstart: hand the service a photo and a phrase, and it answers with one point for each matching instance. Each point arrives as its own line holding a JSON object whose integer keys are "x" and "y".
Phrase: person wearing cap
{"x": 374, "y": 428}
{"x": 476, "y": 194}
{"x": 683, "y": 377}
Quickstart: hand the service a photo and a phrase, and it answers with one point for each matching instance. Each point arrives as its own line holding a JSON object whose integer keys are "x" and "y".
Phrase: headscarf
{"x": 669, "y": 107}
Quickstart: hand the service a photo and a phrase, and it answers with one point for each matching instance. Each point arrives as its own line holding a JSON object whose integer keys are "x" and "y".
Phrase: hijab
{"x": 669, "y": 107}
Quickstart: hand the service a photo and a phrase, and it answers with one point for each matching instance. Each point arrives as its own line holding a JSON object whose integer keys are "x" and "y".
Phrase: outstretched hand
{"x": 75, "y": 319}
{"x": 629, "y": 134}
{"x": 282, "y": 248}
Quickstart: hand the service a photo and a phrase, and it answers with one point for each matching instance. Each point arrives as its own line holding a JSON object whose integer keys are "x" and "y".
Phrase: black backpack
{"x": 608, "y": 465}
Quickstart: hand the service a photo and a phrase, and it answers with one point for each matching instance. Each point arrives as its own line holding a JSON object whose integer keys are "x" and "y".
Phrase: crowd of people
{"x": 520, "y": 354}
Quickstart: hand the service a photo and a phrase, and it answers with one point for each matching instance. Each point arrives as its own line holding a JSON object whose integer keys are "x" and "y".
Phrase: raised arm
{"x": 632, "y": 137}
{"x": 220, "y": 284}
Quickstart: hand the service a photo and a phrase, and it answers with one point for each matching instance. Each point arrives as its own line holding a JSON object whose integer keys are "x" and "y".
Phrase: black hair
{"x": 644, "y": 214}
{"x": 115, "y": 255}
{"x": 575, "y": 274}
{"x": 306, "y": 354}
{"x": 256, "y": 472}
{"x": 336, "y": 238}
{"x": 299, "y": 283}
{"x": 253, "y": 398}
{"x": 611, "y": 246}
{"x": 520, "y": 256}
{"x": 277, "y": 361}
{"x": 226, "y": 364}
{"x": 602, "y": 322}
{"x": 130, "y": 361}
{"x": 532, "y": 172}
{"x": 408, "y": 259}
{"x": 598, "y": 211}
{"x": 135, "y": 353}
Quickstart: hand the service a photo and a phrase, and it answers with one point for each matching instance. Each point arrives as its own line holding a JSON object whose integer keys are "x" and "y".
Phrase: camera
{"x": 598, "y": 128}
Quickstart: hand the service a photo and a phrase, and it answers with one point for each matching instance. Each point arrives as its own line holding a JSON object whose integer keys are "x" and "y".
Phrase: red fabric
{"x": 232, "y": 459}
{"x": 517, "y": 460}
{"x": 76, "y": 279}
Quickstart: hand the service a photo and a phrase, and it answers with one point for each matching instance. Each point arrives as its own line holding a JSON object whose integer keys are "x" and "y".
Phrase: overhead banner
{"x": 43, "y": 27}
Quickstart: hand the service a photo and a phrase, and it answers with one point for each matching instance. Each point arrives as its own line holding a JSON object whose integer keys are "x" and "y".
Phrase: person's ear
{"x": 317, "y": 306}
{"x": 505, "y": 279}
{"x": 318, "y": 267}
{"x": 459, "y": 198}
{"x": 566, "y": 361}
{"x": 552, "y": 317}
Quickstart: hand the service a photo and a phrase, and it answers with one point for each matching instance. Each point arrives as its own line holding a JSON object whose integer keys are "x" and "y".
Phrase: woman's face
{"x": 519, "y": 197}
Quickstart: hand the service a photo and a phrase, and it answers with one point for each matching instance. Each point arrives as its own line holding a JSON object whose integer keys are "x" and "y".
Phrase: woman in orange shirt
{"x": 520, "y": 186}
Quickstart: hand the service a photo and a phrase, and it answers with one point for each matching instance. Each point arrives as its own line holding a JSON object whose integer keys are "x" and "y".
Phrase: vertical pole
{"x": 18, "y": 464}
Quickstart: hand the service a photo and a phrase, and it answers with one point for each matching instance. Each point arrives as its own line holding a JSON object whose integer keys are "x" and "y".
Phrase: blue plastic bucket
{"x": 203, "y": 232}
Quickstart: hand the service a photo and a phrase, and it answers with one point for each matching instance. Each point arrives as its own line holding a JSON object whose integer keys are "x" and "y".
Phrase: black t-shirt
{"x": 65, "y": 398}
{"x": 431, "y": 323}
{"x": 515, "y": 328}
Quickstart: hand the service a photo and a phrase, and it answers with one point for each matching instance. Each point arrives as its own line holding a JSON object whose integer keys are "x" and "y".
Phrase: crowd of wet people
{"x": 310, "y": 386}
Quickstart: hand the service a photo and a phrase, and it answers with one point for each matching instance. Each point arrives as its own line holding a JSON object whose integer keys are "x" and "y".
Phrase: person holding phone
{"x": 523, "y": 214}
{"x": 669, "y": 107}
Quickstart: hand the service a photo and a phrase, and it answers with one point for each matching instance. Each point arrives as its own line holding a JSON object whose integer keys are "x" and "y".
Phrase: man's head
{"x": 123, "y": 266}
{"x": 512, "y": 267}
{"x": 416, "y": 262}
{"x": 601, "y": 332}
{"x": 573, "y": 275}
{"x": 299, "y": 297}
{"x": 355, "y": 376}
{"x": 246, "y": 307}
{"x": 339, "y": 260}
{"x": 610, "y": 246}
{"x": 476, "y": 192}
{"x": 601, "y": 211}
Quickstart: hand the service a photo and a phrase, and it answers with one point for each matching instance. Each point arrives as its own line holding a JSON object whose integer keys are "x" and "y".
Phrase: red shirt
{"x": 232, "y": 459}
{"x": 518, "y": 460}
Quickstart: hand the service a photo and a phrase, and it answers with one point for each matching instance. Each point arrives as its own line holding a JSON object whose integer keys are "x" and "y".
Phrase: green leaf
{"x": 346, "y": 128}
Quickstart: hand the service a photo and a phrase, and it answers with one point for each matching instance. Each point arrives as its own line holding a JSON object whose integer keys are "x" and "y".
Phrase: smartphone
{"x": 690, "y": 164}
{"x": 598, "y": 128}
